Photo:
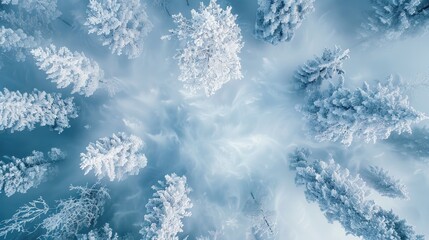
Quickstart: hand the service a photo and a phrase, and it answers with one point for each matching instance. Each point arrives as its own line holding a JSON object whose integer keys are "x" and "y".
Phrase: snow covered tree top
{"x": 121, "y": 25}
{"x": 69, "y": 68}
{"x": 394, "y": 19}
{"x": 114, "y": 157}
{"x": 19, "y": 111}
{"x": 17, "y": 41}
{"x": 343, "y": 197}
{"x": 340, "y": 114}
{"x": 380, "y": 180}
{"x": 170, "y": 203}
{"x": 212, "y": 41}
{"x": 19, "y": 175}
{"x": 104, "y": 233}
{"x": 43, "y": 8}
{"x": 315, "y": 71}
{"x": 277, "y": 20}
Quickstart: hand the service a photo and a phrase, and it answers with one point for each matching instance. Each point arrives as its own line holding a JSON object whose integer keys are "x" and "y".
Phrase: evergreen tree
{"x": 19, "y": 175}
{"x": 115, "y": 157}
{"x": 340, "y": 114}
{"x": 170, "y": 203}
{"x": 380, "y": 180}
{"x": 69, "y": 68}
{"x": 343, "y": 197}
{"x": 212, "y": 41}
{"x": 16, "y": 41}
{"x": 121, "y": 25}
{"x": 19, "y": 111}
{"x": 396, "y": 18}
{"x": 277, "y": 20}
{"x": 315, "y": 71}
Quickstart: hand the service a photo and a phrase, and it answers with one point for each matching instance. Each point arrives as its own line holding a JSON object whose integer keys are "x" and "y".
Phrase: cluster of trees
{"x": 208, "y": 58}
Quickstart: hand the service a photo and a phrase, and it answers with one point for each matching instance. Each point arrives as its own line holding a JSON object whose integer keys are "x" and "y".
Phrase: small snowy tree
{"x": 394, "y": 19}
{"x": 74, "y": 214}
{"x": 115, "y": 157}
{"x": 25, "y": 214}
{"x": 19, "y": 175}
{"x": 342, "y": 197}
{"x": 315, "y": 71}
{"x": 69, "y": 68}
{"x": 339, "y": 114}
{"x": 104, "y": 233}
{"x": 121, "y": 25}
{"x": 212, "y": 42}
{"x": 263, "y": 222}
{"x": 380, "y": 180}
{"x": 17, "y": 41}
{"x": 277, "y": 20}
{"x": 19, "y": 111}
{"x": 170, "y": 203}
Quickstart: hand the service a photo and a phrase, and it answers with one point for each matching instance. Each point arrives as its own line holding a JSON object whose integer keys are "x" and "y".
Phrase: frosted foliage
{"x": 114, "y": 157}
{"x": 339, "y": 114}
{"x": 15, "y": 40}
{"x": 394, "y": 19}
{"x": 380, "y": 180}
{"x": 25, "y": 214}
{"x": 315, "y": 71}
{"x": 47, "y": 8}
{"x": 104, "y": 233}
{"x": 212, "y": 41}
{"x": 19, "y": 111}
{"x": 277, "y": 20}
{"x": 121, "y": 25}
{"x": 170, "y": 203}
{"x": 19, "y": 175}
{"x": 67, "y": 68}
{"x": 342, "y": 197}
{"x": 74, "y": 214}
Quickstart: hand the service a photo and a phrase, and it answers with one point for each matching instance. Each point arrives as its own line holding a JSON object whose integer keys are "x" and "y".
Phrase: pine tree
{"x": 16, "y": 41}
{"x": 277, "y": 20}
{"x": 315, "y": 71}
{"x": 212, "y": 41}
{"x": 380, "y": 180}
{"x": 339, "y": 114}
{"x": 394, "y": 19}
{"x": 74, "y": 214}
{"x": 19, "y": 175}
{"x": 170, "y": 203}
{"x": 46, "y": 9}
{"x": 19, "y": 111}
{"x": 121, "y": 24}
{"x": 343, "y": 197}
{"x": 69, "y": 68}
{"x": 115, "y": 157}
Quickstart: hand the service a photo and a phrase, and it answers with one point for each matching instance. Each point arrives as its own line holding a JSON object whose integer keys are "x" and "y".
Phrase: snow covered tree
{"x": 121, "y": 25}
{"x": 380, "y": 180}
{"x": 74, "y": 214}
{"x": 19, "y": 175}
{"x": 263, "y": 222}
{"x": 104, "y": 233}
{"x": 342, "y": 197}
{"x": 115, "y": 157}
{"x": 69, "y": 68}
{"x": 42, "y": 8}
{"x": 415, "y": 145}
{"x": 19, "y": 111}
{"x": 315, "y": 71}
{"x": 170, "y": 203}
{"x": 339, "y": 114}
{"x": 277, "y": 20}
{"x": 25, "y": 214}
{"x": 212, "y": 41}
{"x": 16, "y": 41}
{"x": 396, "y": 18}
